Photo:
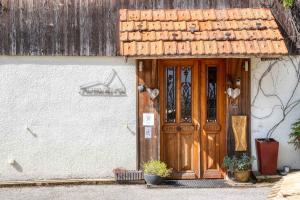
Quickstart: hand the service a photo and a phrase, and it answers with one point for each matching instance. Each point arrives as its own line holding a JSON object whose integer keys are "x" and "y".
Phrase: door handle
{"x": 178, "y": 128}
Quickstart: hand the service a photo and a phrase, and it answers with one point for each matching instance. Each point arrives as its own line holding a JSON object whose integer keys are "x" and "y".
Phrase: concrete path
{"x": 130, "y": 192}
{"x": 288, "y": 188}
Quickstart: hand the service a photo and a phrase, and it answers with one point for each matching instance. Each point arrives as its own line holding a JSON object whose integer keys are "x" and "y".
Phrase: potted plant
{"x": 240, "y": 166}
{"x": 295, "y": 135}
{"x": 155, "y": 171}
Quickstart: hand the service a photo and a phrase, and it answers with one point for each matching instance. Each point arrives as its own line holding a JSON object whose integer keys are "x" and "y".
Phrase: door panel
{"x": 192, "y": 113}
{"x": 179, "y": 117}
{"x": 212, "y": 117}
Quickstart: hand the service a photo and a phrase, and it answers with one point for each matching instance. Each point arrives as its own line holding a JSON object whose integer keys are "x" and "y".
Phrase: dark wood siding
{"x": 235, "y": 70}
{"x": 77, "y": 27}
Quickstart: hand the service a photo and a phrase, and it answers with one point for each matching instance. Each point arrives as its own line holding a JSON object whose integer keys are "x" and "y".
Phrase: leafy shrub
{"x": 295, "y": 134}
{"x": 241, "y": 163}
{"x": 288, "y": 3}
{"x": 156, "y": 167}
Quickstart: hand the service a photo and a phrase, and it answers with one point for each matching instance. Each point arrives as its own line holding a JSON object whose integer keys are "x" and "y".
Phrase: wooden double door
{"x": 192, "y": 117}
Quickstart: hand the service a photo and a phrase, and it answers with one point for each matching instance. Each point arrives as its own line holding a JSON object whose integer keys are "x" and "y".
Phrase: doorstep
{"x": 266, "y": 178}
{"x": 50, "y": 182}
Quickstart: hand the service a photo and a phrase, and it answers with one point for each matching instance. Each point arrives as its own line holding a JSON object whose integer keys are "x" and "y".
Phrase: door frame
{"x": 198, "y": 63}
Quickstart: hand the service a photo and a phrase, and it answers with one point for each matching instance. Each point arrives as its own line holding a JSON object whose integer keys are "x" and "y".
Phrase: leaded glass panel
{"x": 211, "y": 93}
{"x": 170, "y": 94}
{"x": 186, "y": 94}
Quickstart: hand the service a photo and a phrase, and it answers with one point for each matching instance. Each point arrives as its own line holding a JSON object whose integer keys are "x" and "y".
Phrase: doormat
{"x": 207, "y": 183}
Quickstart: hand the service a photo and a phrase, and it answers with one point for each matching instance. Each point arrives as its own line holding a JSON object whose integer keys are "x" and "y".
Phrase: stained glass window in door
{"x": 170, "y": 94}
{"x": 211, "y": 93}
{"x": 186, "y": 94}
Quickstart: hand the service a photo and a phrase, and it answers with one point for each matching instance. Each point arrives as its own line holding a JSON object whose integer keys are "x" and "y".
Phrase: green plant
{"x": 288, "y": 3}
{"x": 295, "y": 134}
{"x": 156, "y": 167}
{"x": 241, "y": 163}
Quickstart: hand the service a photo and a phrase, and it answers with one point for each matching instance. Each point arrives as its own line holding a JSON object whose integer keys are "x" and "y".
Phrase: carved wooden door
{"x": 179, "y": 101}
{"x": 192, "y": 117}
{"x": 213, "y": 113}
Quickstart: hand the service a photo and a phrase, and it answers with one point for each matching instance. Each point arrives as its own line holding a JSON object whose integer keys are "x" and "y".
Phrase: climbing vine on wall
{"x": 284, "y": 104}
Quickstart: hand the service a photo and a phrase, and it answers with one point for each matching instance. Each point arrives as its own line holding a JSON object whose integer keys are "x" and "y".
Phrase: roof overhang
{"x": 205, "y": 33}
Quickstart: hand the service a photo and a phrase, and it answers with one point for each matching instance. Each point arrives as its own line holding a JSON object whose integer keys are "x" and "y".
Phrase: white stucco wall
{"x": 73, "y": 136}
{"x": 280, "y": 81}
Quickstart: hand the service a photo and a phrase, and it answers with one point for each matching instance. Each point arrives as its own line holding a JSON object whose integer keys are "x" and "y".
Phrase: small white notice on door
{"x": 148, "y": 119}
{"x": 148, "y": 132}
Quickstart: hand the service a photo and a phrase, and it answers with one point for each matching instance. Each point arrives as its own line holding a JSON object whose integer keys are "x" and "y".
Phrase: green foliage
{"x": 288, "y": 3}
{"x": 241, "y": 163}
{"x": 295, "y": 134}
{"x": 156, "y": 167}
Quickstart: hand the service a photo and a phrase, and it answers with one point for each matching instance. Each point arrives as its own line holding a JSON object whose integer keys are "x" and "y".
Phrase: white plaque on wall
{"x": 148, "y": 132}
{"x": 148, "y": 119}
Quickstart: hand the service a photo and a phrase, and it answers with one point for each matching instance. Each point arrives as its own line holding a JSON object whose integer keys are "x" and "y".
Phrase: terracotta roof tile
{"x": 127, "y": 26}
{"x": 146, "y": 15}
{"x": 123, "y": 14}
{"x": 134, "y": 36}
{"x": 192, "y": 26}
{"x": 203, "y": 35}
{"x": 234, "y": 14}
{"x": 209, "y": 15}
{"x": 156, "y": 48}
{"x": 199, "y": 32}
{"x": 134, "y": 15}
{"x": 184, "y": 15}
{"x": 197, "y": 15}
{"x": 140, "y": 26}
{"x": 247, "y": 14}
{"x": 231, "y": 25}
{"x": 241, "y": 35}
{"x": 270, "y": 46}
{"x": 154, "y": 26}
{"x": 143, "y": 48}
{"x": 167, "y": 26}
{"x": 205, "y": 26}
{"x": 218, "y": 25}
{"x": 149, "y": 36}
{"x": 259, "y": 13}
{"x": 184, "y": 48}
{"x": 158, "y": 15}
{"x": 162, "y": 35}
{"x": 279, "y": 47}
{"x": 170, "y": 48}
{"x": 171, "y": 15}
{"x": 124, "y": 36}
{"x": 210, "y": 47}
{"x": 180, "y": 26}
{"x": 224, "y": 47}
{"x": 252, "y": 47}
{"x": 238, "y": 47}
{"x": 263, "y": 46}
{"x": 129, "y": 49}
{"x": 221, "y": 15}
{"x": 175, "y": 35}
{"x": 188, "y": 36}
{"x": 197, "y": 48}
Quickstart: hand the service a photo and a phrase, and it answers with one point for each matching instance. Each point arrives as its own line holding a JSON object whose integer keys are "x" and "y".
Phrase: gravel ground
{"x": 130, "y": 192}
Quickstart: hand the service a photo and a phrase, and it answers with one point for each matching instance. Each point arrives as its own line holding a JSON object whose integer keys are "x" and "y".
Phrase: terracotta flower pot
{"x": 242, "y": 176}
{"x": 267, "y": 155}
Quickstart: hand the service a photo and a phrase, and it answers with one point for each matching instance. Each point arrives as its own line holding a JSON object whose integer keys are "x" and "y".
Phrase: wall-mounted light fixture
{"x": 246, "y": 66}
{"x": 141, "y": 66}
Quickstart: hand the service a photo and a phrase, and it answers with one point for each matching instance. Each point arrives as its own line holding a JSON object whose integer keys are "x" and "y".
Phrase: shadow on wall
{"x": 17, "y": 166}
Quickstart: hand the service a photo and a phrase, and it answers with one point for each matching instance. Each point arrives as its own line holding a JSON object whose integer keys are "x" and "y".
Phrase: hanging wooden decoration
{"x": 239, "y": 126}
